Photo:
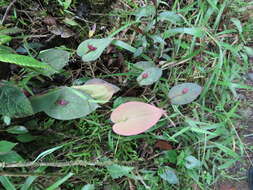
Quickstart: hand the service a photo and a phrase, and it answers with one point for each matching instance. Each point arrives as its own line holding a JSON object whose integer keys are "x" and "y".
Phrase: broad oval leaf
{"x": 192, "y": 162}
{"x": 13, "y": 102}
{"x": 56, "y": 58}
{"x": 44, "y": 101}
{"x": 168, "y": 175}
{"x": 91, "y": 49}
{"x": 149, "y": 76}
{"x": 133, "y": 118}
{"x": 98, "y": 89}
{"x": 184, "y": 93}
{"x": 142, "y": 65}
{"x": 17, "y": 130}
{"x": 169, "y": 16}
{"x": 22, "y": 60}
{"x": 248, "y": 51}
{"x": 88, "y": 187}
{"x": 6, "y": 146}
{"x": 112, "y": 87}
{"x": 65, "y": 103}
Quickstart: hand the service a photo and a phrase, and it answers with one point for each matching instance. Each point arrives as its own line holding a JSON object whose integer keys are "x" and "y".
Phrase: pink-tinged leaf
{"x": 98, "y": 89}
{"x": 111, "y": 87}
{"x": 133, "y": 118}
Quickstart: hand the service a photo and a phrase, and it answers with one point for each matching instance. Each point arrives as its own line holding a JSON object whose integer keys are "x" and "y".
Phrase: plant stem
{"x": 61, "y": 164}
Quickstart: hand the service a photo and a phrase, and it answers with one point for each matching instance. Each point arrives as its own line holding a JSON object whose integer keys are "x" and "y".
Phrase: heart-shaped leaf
{"x": 184, "y": 93}
{"x": 65, "y": 103}
{"x": 133, "y": 118}
{"x": 91, "y": 49}
{"x": 149, "y": 76}
{"x": 13, "y": 102}
{"x": 98, "y": 89}
{"x": 56, "y": 58}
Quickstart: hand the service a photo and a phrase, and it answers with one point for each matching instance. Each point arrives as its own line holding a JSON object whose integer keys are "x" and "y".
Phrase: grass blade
{"x": 59, "y": 182}
{"x": 7, "y": 183}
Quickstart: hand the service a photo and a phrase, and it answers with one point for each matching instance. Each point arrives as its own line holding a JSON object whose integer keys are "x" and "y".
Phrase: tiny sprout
{"x": 91, "y": 48}
{"x": 185, "y": 90}
{"x": 145, "y": 75}
{"x": 62, "y": 102}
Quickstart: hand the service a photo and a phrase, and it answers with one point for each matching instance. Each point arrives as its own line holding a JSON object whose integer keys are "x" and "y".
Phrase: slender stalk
{"x": 60, "y": 164}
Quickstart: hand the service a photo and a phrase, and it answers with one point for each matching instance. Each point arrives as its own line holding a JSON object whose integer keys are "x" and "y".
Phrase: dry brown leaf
{"x": 163, "y": 145}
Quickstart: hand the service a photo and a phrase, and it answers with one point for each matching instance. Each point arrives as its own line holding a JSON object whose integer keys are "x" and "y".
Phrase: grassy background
{"x": 211, "y": 128}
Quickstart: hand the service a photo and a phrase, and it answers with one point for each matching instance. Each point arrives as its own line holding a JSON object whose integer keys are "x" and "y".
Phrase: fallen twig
{"x": 7, "y": 11}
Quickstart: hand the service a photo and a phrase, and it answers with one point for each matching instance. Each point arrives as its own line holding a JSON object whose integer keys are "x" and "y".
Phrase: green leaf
{"x": 248, "y": 51}
{"x": 22, "y": 60}
{"x": 149, "y": 76}
{"x": 56, "y": 58}
{"x": 6, "y": 50}
{"x": 7, "y": 184}
{"x": 5, "y": 39}
{"x": 117, "y": 171}
{"x": 7, "y": 120}
{"x": 65, "y": 103}
{"x": 146, "y": 11}
{"x": 13, "y": 102}
{"x": 169, "y": 16}
{"x": 184, "y": 93}
{"x": 47, "y": 152}
{"x": 192, "y": 162}
{"x": 91, "y": 49}
{"x": 9, "y": 31}
{"x": 6, "y": 146}
{"x": 88, "y": 187}
{"x": 43, "y": 102}
{"x": 57, "y": 184}
{"x": 168, "y": 175}
{"x": 142, "y": 65}
{"x": 197, "y": 32}
{"x": 11, "y": 157}
{"x": 17, "y": 130}
{"x": 98, "y": 89}
{"x": 237, "y": 23}
{"x": 31, "y": 179}
{"x": 25, "y": 138}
